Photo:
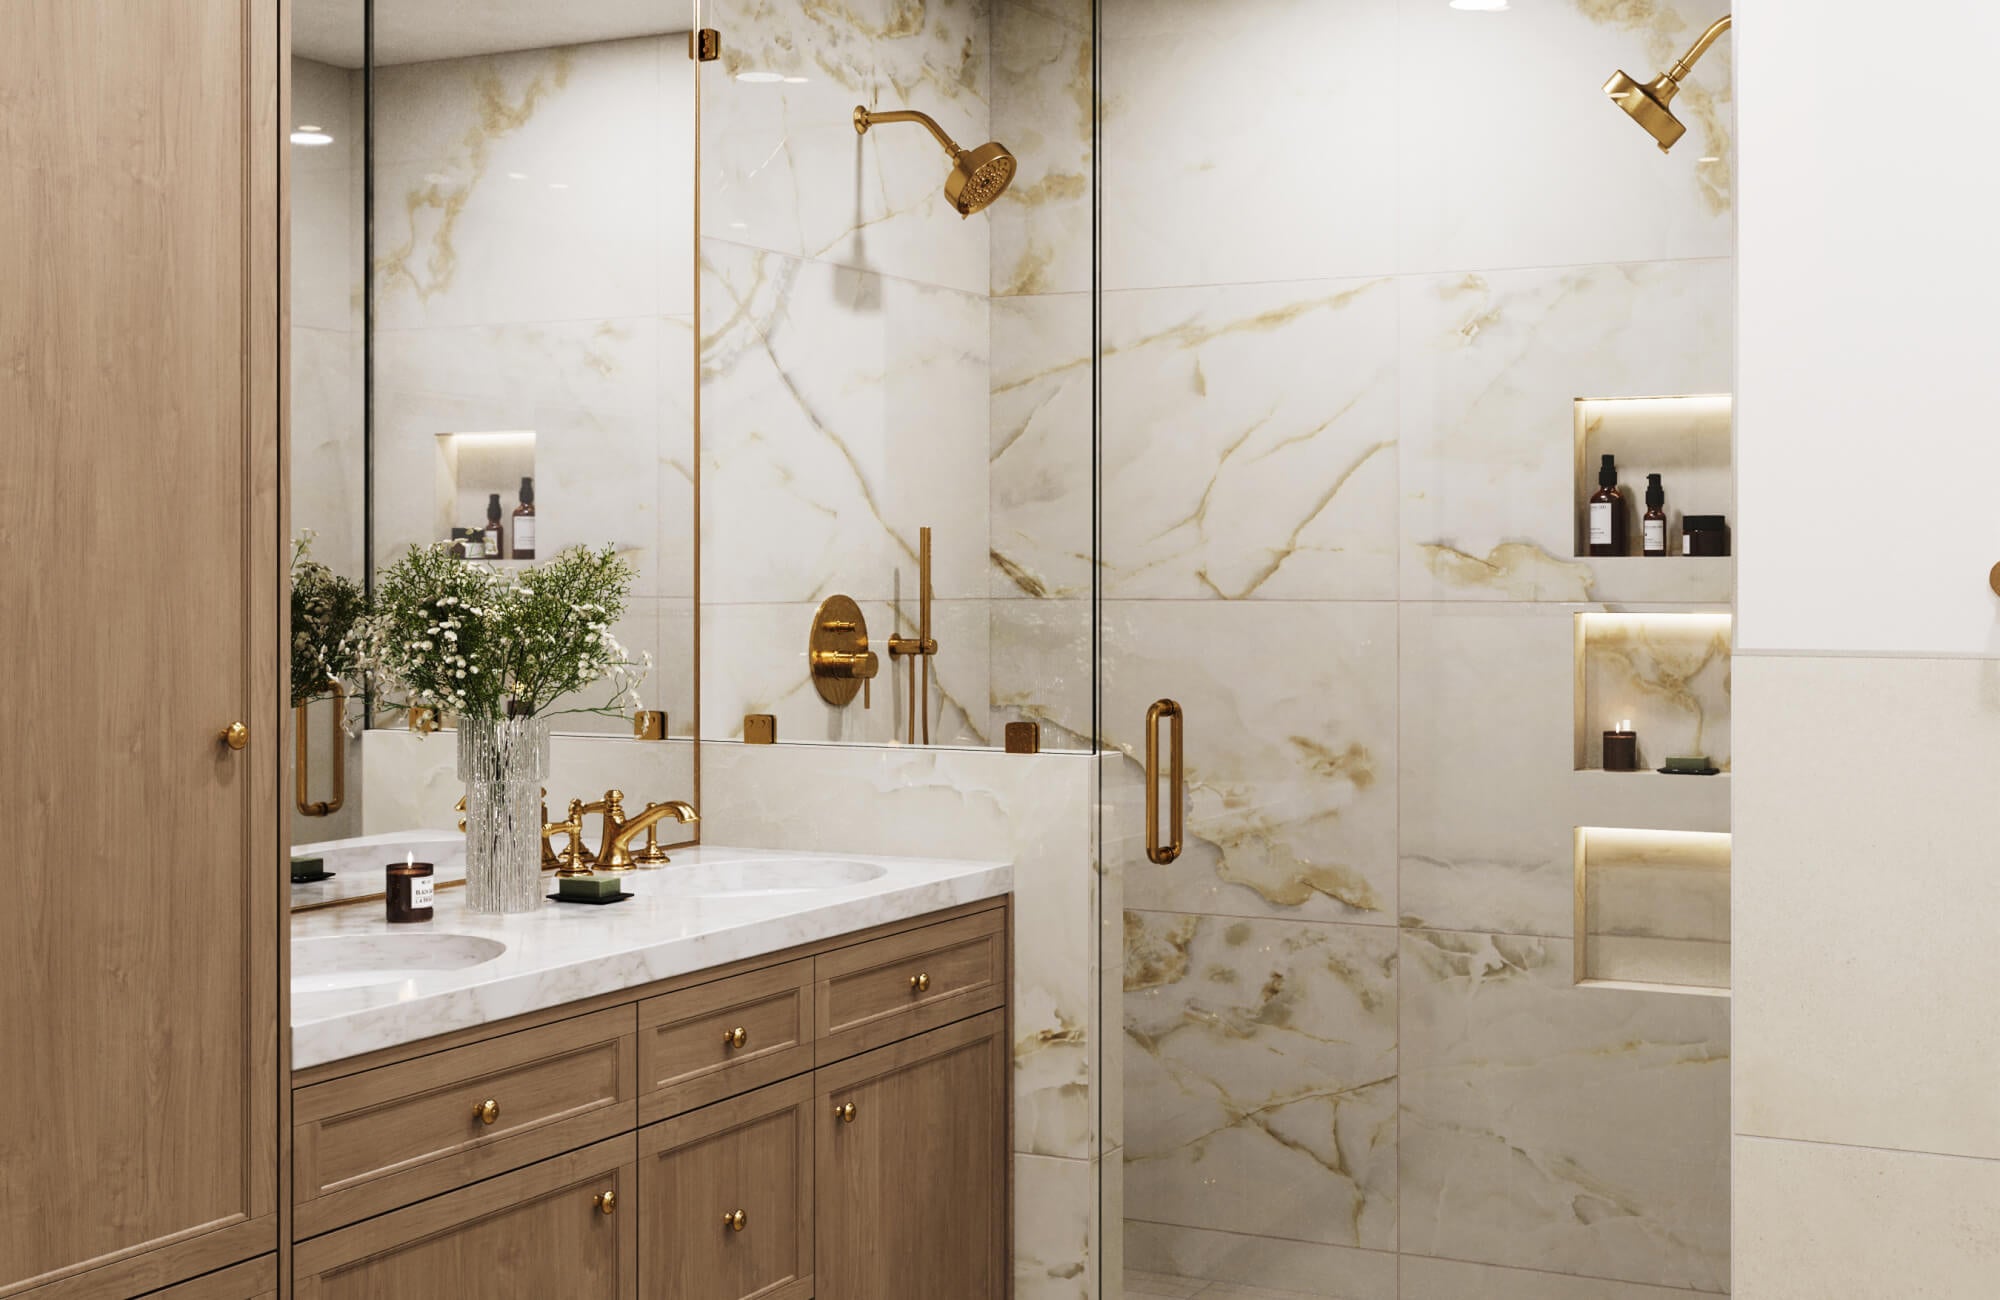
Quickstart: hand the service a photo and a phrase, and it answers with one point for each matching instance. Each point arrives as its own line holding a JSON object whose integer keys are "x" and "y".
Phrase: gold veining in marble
{"x": 1521, "y": 570}
{"x": 499, "y": 116}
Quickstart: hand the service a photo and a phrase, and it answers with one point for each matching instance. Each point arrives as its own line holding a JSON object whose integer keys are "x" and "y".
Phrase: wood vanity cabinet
{"x": 141, "y": 1067}
{"x": 828, "y": 1123}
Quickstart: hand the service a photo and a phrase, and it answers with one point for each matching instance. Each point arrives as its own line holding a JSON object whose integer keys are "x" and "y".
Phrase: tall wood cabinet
{"x": 140, "y": 538}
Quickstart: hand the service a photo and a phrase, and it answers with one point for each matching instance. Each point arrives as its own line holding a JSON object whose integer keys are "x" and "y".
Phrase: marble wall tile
{"x": 1815, "y": 1220}
{"x": 1488, "y": 729}
{"x": 326, "y": 210}
{"x": 1043, "y": 462}
{"x": 328, "y": 470}
{"x": 1194, "y": 193}
{"x": 1250, "y": 442}
{"x": 982, "y": 804}
{"x": 1055, "y": 1229}
{"x": 1043, "y": 669}
{"x": 1864, "y": 955}
{"x": 1447, "y": 1279}
{"x": 1491, "y": 365}
{"x": 1508, "y": 155}
{"x": 1044, "y": 109}
{"x": 1261, "y": 1072}
{"x": 1171, "y": 1252}
{"x": 853, "y": 408}
{"x": 1290, "y": 740}
{"x": 782, "y": 168}
{"x": 1555, "y": 1127}
{"x": 536, "y": 186}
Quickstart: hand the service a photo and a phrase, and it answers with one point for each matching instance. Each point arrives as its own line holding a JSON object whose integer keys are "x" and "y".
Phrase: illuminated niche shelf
{"x": 1666, "y": 673}
{"x": 471, "y": 466}
{"x": 1687, "y": 441}
{"x": 1652, "y": 910}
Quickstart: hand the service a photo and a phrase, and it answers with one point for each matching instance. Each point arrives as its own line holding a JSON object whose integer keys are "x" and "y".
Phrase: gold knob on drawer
{"x": 235, "y": 735}
{"x": 486, "y": 1111}
{"x": 920, "y": 983}
{"x": 605, "y": 1202}
{"x": 845, "y": 1114}
{"x": 735, "y": 1222}
{"x": 735, "y": 1037}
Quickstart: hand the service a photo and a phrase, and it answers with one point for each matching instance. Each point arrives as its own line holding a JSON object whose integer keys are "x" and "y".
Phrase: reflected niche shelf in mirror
{"x": 475, "y": 469}
{"x": 1686, "y": 440}
{"x": 1663, "y": 677}
{"x": 1652, "y": 910}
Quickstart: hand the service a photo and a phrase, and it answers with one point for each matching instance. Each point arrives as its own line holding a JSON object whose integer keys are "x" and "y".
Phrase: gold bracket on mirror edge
{"x": 705, "y": 46}
{"x": 760, "y": 728}
{"x": 1024, "y": 737}
{"x": 649, "y": 724}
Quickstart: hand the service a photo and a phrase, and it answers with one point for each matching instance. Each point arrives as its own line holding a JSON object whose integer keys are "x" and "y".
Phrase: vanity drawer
{"x": 712, "y": 1041}
{"x": 726, "y": 1199}
{"x": 390, "y": 1136}
{"x": 878, "y": 992}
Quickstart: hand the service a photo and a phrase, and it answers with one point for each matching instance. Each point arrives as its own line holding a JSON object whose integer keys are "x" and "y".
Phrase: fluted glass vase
{"x": 503, "y": 763}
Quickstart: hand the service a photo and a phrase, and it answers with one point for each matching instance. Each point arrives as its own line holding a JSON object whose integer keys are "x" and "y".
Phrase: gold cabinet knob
{"x": 606, "y": 1202}
{"x": 920, "y": 983}
{"x": 486, "y": 1111}
{"x": 235, "y": 735}
{"x": 845, "y": 1114}
{"x": 735, "y": 1222}
{"x": 735, "y": 1037}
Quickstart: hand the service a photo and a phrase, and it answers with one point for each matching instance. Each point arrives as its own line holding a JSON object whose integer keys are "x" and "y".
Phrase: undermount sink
{"x": 356, "y": 961}
{"x": 769, "y": 877}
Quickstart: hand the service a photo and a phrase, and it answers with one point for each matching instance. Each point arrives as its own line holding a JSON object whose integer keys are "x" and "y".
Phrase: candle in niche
{"x": 1621, "y": 749}
{"x": 411, "y": 890}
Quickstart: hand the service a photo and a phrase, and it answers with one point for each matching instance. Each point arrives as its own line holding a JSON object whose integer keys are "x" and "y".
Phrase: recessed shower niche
{"x": 1686, "y": 440}
{"x": 474, "y": 470}
{"x": 1662, "y": 676}
{"x": 1652, "y": 909}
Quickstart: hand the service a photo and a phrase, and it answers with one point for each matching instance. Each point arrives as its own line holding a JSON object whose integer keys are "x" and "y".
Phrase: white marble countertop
{"x": 680, "y": 919}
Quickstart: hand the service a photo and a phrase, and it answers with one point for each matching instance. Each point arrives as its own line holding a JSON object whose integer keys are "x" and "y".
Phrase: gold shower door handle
{"x": 1170, "y": 710}
{"x": 302, "y": 767}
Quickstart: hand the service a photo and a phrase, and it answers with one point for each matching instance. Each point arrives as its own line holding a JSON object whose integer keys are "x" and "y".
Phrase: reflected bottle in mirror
{"x": 524, "y": 522}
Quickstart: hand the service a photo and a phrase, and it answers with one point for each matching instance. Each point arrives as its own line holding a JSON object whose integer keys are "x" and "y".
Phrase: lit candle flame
{"x": 410, "y": 858}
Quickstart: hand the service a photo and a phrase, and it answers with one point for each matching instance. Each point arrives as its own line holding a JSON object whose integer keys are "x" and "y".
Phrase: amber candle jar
{"x": 410, "y": 891}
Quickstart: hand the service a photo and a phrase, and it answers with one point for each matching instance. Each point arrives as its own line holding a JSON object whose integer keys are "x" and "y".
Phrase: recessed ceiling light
{"x": 1481, "y": 6}
{"x": 797, "y": 81}
{"x": 760, "y": 78}
{"x": 311, "y": 137}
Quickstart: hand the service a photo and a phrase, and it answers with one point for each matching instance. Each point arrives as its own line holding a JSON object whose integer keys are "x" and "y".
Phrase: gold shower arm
{"x": 863, "y": 119}
{"x": 1685, "y": 64}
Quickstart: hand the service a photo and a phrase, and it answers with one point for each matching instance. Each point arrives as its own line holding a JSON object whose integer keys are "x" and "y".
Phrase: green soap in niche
{"x": 1688, "y": 763}
{"x": 588, "y": 886}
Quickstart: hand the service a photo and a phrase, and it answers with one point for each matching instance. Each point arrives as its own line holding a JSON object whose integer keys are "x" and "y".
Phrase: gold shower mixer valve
{"x": 837, "y": 653}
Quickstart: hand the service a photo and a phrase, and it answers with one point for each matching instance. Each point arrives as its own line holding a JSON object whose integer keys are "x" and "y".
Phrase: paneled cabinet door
{"x": 563, "y": 1228}
{"x": 139, "y": 941}
{"x": 726, "y": 1199}
{"x": 912, "y": 1180}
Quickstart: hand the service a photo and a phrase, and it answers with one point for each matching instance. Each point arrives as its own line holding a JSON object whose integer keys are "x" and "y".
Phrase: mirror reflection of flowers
{"x": 459, "y": 638}
{"x": 328, "y": 614}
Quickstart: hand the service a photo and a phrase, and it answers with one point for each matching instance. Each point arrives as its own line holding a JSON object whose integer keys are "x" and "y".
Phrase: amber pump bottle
{"x": 1653, "y": 528}
{"x": 496, "y": 543}
{"x": 524, "y": 522}
{"x": 1607, "y": 513}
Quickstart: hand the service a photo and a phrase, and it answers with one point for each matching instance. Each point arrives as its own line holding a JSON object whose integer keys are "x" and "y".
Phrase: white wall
{"x": 1867, "y": 744}
{"x": 1866, "y": 450}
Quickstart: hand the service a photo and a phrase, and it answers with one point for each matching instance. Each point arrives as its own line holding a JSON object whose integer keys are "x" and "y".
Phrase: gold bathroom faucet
{"x": 620, "y": 831}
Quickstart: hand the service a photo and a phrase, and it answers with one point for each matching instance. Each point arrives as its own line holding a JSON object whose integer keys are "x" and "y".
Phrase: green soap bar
{"x": 308, "y": 866}
{"x": 1688, "y": 763}
{"x": 588, "y": 886}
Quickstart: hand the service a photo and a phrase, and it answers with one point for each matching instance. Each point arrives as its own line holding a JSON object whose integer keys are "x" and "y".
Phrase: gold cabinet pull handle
{"x": 235, "y": 735}
{"x": 606, "y": 1202}
{"x": 845, "y": 1114}
{"x": 302, "y": 762}
{"x": 1158, "y": 851}
{"x": 735, "y": 1222}
{"x": 486, "y": 1112}
{"x": 920, "y": 983}
{"x": 735, "y": 1037}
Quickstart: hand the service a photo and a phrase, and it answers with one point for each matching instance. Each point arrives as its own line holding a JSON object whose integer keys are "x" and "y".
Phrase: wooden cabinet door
{"x": 139, "y": 521}
{"x": 535, "y": 1234}
{"x": 726, "y": 1199}
{"x": 913, "y": 1183}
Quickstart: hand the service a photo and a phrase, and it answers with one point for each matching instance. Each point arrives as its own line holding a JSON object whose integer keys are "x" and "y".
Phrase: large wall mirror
{"x": 492, "y": 314}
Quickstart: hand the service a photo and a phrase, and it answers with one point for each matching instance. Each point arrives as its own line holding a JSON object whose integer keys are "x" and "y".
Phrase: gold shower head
{"x": 978, "y": 176}
{"x": 1646, "y": 101}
